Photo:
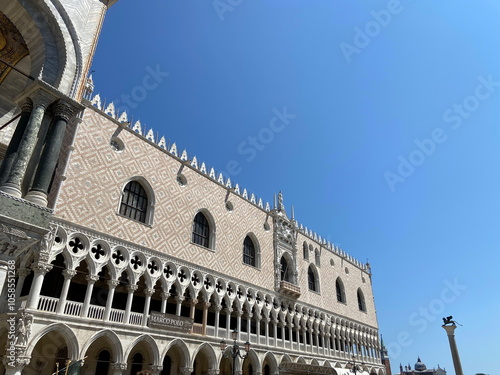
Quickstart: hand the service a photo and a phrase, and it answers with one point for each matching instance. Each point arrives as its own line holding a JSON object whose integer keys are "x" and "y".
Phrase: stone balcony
{"x": 289, "y": 289}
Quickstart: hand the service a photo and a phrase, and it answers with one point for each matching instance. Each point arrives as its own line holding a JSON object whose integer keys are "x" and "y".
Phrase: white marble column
{"x": 91, "y": 280}
{"x": 239, "y": 314}
{"x": 218, "y": 308}
{"x": 148, "y": 292}
{"x": 112, "y": 284}
{"x": 206, "y": 305}
{"x": 164, "y": 298}
{"x": 179, "y": 300}
{"x": 131, "y": 289}
{"x": 40, "y": 270}
{"x": 228, "y": 322}
{"x": 68, "y": 275}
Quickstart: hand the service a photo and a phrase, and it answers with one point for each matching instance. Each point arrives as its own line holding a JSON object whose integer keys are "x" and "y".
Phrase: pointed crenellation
{"x": 137, "y": 127}
{"x": 123, "y": 117}
{"x": 96, "y": 101}
{"x": 184, "y": 155}
{"x": 110, "y": 110}
{"x": 212, "y": 174}
{"x": 150, "y": 136}
{"x": 220, "y": 179}
{"x": 228, "y": 183}
{"x": 268, "y": 208}
{"x": 162, "y": 143}
{"x": 252, "y": 198}
{"x": 194, "y": 162}
{"x": 173, "y": 149}
{"x": 203, "y": 168}
{"x": 260, "y": 203}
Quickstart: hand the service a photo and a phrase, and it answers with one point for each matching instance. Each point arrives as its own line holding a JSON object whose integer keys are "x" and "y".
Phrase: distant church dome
{"x": 420, "y": 366}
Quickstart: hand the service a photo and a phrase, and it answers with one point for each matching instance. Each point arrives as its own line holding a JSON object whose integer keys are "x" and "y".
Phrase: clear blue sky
{"x": 388, "y": 142}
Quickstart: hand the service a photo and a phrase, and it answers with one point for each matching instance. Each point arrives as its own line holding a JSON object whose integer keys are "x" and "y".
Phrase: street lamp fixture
{"x": 354, "y": 366}
{"x": 235, "y": 350}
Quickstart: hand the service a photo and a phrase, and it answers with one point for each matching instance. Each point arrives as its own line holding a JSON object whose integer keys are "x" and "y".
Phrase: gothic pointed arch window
{"x": 203, "y": 230}
{"x": 250, "y": 252}
{"x": 305, "y": 251}
{"x": 137, "y": 201}
{"x": 361, "y": 300}
{"x": 339, "y": 288}
{"x": 312, "y": 278}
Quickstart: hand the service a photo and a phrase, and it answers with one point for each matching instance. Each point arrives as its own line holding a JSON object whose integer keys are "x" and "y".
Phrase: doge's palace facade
{"x": 121, "y": 254}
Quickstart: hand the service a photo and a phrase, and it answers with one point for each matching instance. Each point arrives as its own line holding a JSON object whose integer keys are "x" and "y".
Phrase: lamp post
{"x": 235, "y": 350}
{"x": 353, "y": 364}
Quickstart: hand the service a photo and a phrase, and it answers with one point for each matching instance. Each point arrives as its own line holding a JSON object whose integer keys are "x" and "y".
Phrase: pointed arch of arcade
{"x": 69, "y": 337}
{"x": 150, "y": 343}
{"x": 210, "y": 354}
{"x": 181, "y": 347}
{"x": 271, "y": 361}
{"x": 112, "y": 338}
{"x": 251, "y": 359}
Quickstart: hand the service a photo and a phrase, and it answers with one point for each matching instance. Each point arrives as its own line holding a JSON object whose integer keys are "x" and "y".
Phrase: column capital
{"x": 64, "y": 110}
{"x": 193, "y": 302}
{"x": 213, "y": 371}
{"x": 132, "y": 288}
{"x": 206, "y": 305}
{"x": 92, "y": 278}
{"x": 42, "y": 268}
{"x": 69, "y": 274}
{"x": 218, "y": 308}
{"x": 119, "y": 366}
{"x": 450, "y": 330}
{"x": 26, "y": 105}
{"x": 165, "y": 295}
{"x": 42, "y": 98}
{"x": 179, "y": 298}
{"x": 149, "y": 292}
{"x": 113, "y": 283}
{"x": 186, "y": 370}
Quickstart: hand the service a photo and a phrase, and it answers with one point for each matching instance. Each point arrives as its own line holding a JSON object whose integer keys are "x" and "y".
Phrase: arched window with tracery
{"x": 134, "y": 203}
{"x": 286, "y": 272}
{"x": 339, "y": 288}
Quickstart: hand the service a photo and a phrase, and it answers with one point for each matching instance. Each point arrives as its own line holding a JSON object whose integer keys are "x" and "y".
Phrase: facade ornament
{"x": 68, "y": 274}
{"x": 42, "y": 98}
{"x": 27, "y": 105}
{"x": 132, "y": 288}
{"x": 113, "y": 283}
{"x": 23, "y": 329}
{"x": 63, "y": 110}
{"x": 119, "y": 366}
{"x": 42, "y": 267}
{"x": 92, "y": 278}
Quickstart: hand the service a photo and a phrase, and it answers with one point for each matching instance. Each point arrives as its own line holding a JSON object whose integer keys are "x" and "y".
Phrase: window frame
{"x": 148, "y": 212}
{"x": 340, "y": 290}
{"x": 210, "y": 242}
